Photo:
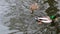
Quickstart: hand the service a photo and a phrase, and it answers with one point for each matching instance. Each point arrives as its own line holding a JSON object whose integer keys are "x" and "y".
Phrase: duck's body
{"x": 44, "y": 19}
{"x": 34, "y": 7}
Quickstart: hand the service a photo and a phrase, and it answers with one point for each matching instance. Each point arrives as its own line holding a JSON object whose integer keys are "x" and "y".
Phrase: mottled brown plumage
{"x": 34, "y": 7}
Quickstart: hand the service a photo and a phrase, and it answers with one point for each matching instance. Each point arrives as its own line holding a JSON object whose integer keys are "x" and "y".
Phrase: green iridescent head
{"x": 52, "y": 17}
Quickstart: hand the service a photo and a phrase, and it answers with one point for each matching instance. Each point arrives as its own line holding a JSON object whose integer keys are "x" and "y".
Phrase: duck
{"x": 33, "y": 7}
{"x": 41, "y": 20}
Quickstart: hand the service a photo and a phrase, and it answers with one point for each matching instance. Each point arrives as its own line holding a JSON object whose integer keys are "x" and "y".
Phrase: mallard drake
{"x": 43, "y": 19}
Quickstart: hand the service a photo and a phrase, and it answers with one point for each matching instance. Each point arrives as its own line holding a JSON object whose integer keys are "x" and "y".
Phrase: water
{"x": 4, "y": 9}
{"x": 15, "y": 17}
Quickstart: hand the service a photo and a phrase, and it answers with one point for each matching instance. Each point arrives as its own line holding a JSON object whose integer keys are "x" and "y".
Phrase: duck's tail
{"x": 32, "y": 11}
